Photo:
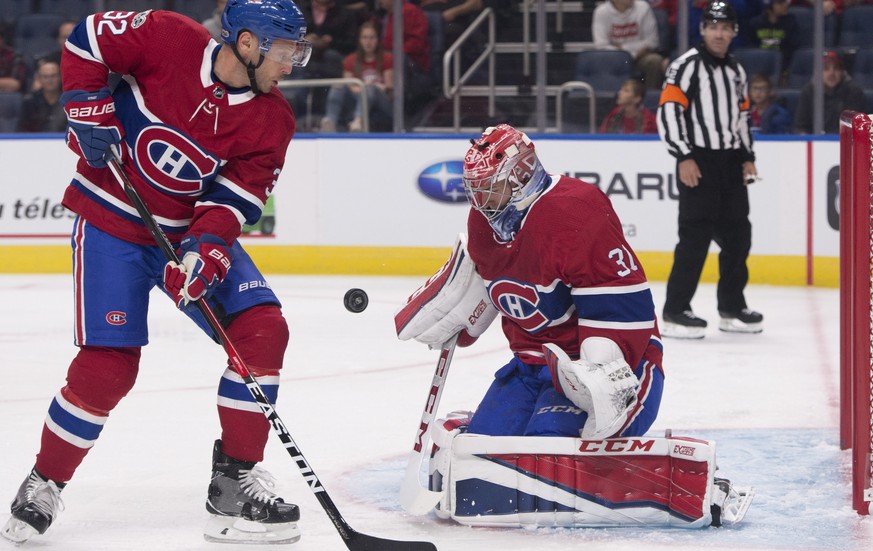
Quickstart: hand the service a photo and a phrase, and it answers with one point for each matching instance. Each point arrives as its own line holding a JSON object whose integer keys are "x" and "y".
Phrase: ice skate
{"x": 729, "y": 504}
{"x": 36, "y": 505}
{"x": 683, "y": 325}
{"x": 243, "y": 508}
{"x": 744, "y": 321}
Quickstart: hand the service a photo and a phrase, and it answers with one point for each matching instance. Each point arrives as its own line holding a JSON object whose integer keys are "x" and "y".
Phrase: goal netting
{"x": 856, "y": 307}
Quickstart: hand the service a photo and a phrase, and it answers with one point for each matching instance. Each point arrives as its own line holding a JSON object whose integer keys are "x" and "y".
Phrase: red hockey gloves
{"x": 205, "y": 262}
{"x": 91, "y": 125}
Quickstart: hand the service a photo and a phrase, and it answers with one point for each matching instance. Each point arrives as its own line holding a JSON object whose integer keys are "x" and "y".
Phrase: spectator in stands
{"x": 630, "y": 116}
{"x": 419, "y": 87}
{"x": 213, "y": 24}
{"x": 331, "y": 28}
{"x": 457, "y": 15}
{"x": 775, "y": 29}
{"x": 630, "y": 25}
{"x": 13, "y": 71}
{"x": 375, "y": 67}
{"x": 41, "y": 110}
{"x": 61, "y": 34}
{"x": 767, "y": 114}
{"x": 840, "y": 93}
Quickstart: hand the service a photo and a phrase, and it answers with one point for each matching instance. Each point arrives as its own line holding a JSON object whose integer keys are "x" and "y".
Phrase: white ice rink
{"x": 352, "y": 395}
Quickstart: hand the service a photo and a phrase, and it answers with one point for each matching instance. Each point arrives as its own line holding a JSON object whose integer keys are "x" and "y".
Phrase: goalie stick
{"x": 354, "y": 540}
{"x": 414, "y": 496}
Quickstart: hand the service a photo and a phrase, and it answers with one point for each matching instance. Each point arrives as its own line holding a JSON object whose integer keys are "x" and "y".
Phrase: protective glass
{"x": 288, "y": 52}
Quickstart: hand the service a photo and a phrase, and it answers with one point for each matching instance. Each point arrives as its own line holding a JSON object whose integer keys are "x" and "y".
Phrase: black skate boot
{"x": 744, "y": 321}
{"x": 683, "y": 325}
{"x": 36, "y": 505}
{"x": 243, "y": 507}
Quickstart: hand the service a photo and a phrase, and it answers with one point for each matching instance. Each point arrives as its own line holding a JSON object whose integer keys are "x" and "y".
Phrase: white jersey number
{"x": 622, "y": 257}
{"x": 114, "y": 21}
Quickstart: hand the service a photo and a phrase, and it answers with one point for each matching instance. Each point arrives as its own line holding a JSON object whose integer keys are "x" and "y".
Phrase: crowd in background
{"x": 354, "y": 39}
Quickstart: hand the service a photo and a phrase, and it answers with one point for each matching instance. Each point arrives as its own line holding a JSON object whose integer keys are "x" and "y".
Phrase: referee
{"x": 703, "y": 118}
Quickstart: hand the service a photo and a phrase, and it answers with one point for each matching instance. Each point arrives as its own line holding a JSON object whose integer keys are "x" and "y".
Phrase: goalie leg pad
{"x": 576, "y": 482}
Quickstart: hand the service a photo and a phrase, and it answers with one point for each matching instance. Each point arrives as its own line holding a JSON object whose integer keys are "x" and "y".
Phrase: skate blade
{"x": 18, "y": 531}
{"x": 737, "y": 505}
{"x": 676, "y": 331}
{"x": 729, "y": 325}
{"x": 236, "y": 530}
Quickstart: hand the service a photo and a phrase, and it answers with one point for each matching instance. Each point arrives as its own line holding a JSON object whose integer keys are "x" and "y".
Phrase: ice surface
{"x": 352, "y": 395}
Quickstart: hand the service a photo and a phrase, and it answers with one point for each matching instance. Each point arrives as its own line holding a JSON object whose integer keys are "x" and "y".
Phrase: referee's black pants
{"x": 717, "y": 209}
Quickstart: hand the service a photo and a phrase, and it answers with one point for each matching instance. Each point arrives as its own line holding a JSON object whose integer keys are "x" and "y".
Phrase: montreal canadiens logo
{"x": 442, "y": 182}
{"x": 172, "y": 162}
{"x": 519, "y": 302}
{"x": 116, "y": 318}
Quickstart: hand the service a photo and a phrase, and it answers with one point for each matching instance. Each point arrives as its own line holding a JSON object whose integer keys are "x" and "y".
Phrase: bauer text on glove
{"x": 205, "y": 262}
{"x": 92, "y": 128}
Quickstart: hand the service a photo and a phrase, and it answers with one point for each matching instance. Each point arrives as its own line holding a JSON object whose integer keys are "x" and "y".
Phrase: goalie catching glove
{"x": 453, "y": 300}
{"x": 205, "y": 262}
{"x": 603, "y": 386}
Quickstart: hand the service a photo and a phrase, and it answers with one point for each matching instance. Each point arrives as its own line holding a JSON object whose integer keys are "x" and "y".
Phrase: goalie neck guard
{"x": 502, "y": 177}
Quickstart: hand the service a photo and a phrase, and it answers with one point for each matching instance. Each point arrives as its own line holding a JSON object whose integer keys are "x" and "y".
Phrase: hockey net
{"x": 856, "y": 301}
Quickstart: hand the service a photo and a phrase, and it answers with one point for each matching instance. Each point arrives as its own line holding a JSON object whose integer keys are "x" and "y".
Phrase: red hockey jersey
{"x": 203, "y": 156}
{"x": 568, "y": 274}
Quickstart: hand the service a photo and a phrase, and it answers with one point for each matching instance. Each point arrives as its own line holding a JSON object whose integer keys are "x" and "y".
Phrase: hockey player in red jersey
{"x": 202, "y": 133}
{"x": 548, "y": 255}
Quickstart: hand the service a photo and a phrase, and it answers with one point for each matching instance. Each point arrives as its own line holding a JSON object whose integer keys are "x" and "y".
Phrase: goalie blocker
{"x": 574, "y": 482}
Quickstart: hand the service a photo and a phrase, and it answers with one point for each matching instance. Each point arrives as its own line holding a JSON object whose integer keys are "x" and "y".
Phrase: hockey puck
{"x": 356, "y": 300}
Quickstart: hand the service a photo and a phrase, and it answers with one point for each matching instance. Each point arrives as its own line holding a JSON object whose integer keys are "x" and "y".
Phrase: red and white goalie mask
{"x": 497, "y": 170}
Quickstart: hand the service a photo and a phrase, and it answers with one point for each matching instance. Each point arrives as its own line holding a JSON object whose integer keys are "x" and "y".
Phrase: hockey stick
{"x": 355, "y": 541}
{"x": 415, "y": 497}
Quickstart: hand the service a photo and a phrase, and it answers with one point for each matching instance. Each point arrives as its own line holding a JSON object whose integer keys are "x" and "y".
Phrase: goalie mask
{"x": 502, "y": 177}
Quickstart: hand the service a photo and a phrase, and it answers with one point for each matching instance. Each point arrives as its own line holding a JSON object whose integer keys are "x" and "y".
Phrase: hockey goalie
{"x": 559, "y": 439}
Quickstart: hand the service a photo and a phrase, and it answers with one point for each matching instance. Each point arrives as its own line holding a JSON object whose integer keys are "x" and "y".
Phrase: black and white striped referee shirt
{"x": 705, "y": 104}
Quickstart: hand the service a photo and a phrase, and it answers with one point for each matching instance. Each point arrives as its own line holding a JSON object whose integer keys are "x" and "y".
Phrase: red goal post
{"x": 856, "y": 301}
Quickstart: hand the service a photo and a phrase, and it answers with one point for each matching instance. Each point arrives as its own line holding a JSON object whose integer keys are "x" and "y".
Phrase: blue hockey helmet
{"x": 268, "y": 20}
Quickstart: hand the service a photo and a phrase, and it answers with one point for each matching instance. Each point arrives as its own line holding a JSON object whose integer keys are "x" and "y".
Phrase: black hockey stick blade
{"x": 362, "y": 542}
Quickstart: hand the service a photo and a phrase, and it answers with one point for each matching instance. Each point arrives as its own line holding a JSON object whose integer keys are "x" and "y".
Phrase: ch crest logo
{"x": 172, "y": 162}
{"x": 116, "y": 318}
{"x": 520, "y": 302}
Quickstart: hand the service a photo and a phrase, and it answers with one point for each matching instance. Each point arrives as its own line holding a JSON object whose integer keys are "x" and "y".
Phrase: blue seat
{"x": 198, "y": 10}
{"x": 791, "y": 97}
{"x": 134, "y": 5}
{"x": 665, "y": 41}
{"x": 74, "y": 10}
{"x": 11, "y": 10}
{"x": 804, "y": 17}
{"x": 604, "y": 70}
{"x": 760, "y": 61}
{"x": 856, "y": 25}
{"x": 436, "y": 37}
{"x": 35, "y": 34}
{"x": 10, "y": 107}
{"x": 862, "y": 68}
{"x": 800, "y": 70}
